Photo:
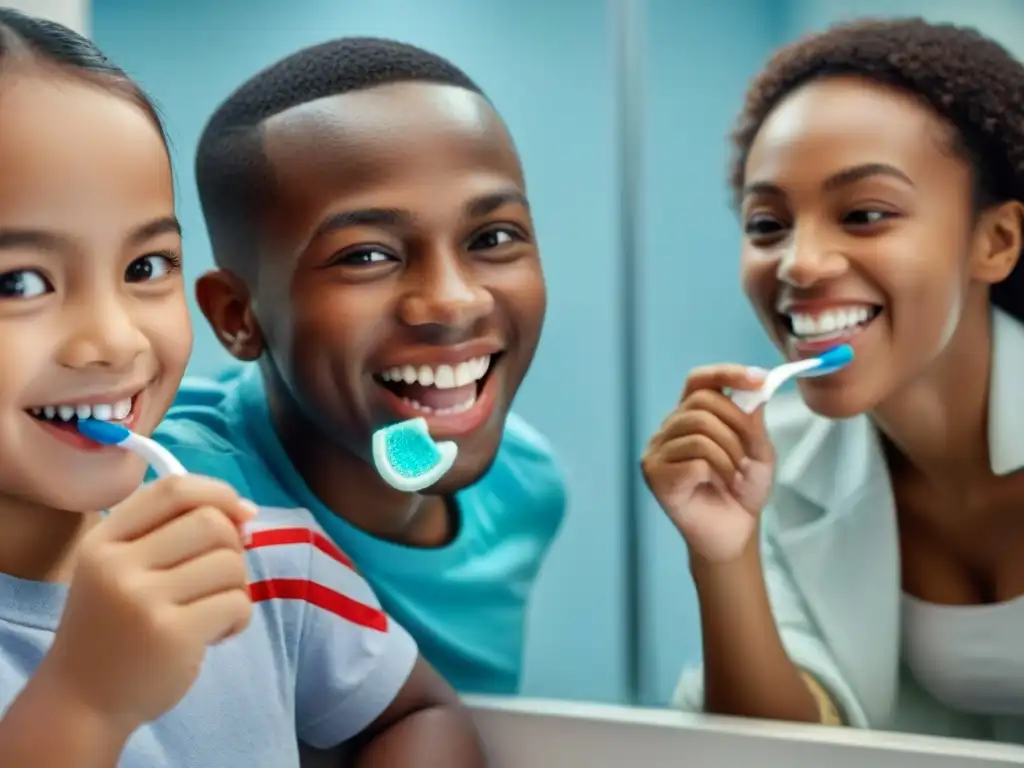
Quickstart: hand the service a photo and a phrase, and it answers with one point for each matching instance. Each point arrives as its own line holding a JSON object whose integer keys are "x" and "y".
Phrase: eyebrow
{"x": 397, "y": 217}
{"x": 46, "y": 240}
{"x": 843, "y": 178}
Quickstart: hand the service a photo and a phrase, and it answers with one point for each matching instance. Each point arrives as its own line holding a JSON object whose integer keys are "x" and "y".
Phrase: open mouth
{"x": 829, "y": 325}
{"x": 439, "y": 390}
{"x": 68, "y": 414}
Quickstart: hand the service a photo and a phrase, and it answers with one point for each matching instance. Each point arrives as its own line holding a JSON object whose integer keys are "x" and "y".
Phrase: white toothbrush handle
{"x": 749, "y": 400}
{"x": 158, "y": 457}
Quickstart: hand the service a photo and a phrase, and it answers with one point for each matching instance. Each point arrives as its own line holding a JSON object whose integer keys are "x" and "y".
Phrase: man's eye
{"x": 364, "y": 257}
{"x": 495, "y": 238}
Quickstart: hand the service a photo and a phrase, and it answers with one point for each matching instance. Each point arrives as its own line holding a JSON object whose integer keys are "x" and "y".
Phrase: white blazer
{"x": 831, "y": 557}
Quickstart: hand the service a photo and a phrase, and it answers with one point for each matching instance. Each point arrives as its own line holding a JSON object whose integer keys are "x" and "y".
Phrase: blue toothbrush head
{"x": 408, "y": 458}
{"x": 833, "y": 359}
{"x": 411, "y": 453}
{"x": 103, "y": 431}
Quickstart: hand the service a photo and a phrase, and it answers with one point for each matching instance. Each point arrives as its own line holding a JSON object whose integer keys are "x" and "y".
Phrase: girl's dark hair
{"x": 971, "y": 81}
{"x": 41, "y": 42}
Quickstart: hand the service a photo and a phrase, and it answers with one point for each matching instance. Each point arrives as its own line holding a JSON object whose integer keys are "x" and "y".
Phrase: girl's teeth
{"x": 102, "y": 411}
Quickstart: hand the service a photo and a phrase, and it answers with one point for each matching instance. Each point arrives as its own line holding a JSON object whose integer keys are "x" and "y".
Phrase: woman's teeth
{"x": 830, "y": 324}
{"x": 117, "y": 411}
{"x": 441, "y": 376}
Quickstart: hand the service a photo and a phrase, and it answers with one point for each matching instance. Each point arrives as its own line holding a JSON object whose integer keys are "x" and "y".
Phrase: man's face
{"x": 400, "y": 276}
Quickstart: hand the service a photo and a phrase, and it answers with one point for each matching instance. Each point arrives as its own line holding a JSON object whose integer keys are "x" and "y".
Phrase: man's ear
{"x": 224, "y": 299}
{"x": 997, "y": 243}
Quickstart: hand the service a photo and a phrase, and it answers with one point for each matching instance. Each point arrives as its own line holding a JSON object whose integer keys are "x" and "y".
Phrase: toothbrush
{"x": 828, "y": 362}
{"x": 109, "y": 433}
{"x": 408, "y": 459}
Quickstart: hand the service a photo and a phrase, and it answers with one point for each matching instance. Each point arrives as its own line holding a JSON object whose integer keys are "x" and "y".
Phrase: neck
{"x": 350, "y": 487}
{"x": 938, "y": 423}
{"x": 38, "y": 542}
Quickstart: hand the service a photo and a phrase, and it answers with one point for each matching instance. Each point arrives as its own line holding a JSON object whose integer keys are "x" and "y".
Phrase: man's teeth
{"x": 427, "y": 410}
{"x": 441, "y": 376}
{"x": 117, "y": 411}
{"x": 830, "y": 323}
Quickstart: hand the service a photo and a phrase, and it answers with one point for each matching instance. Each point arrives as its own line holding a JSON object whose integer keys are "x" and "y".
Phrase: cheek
{"x": 926, "y": 281}
{"x": 329, "y": 335}
{"x": 169, "y": 328}
{"x": 525, "y": 295}
{"x": 27, "y": 350}
{"x": 759, "y": 283}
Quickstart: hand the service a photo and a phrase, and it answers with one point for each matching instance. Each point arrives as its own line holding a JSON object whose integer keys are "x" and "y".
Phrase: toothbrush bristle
{"x": 103, "y": 431}
{"x": 836, "y": 357}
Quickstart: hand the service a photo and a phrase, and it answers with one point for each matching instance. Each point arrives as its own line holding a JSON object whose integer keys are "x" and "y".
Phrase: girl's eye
{"x": 495, "y": 238}
{"x": 152, "y": 266}
{"x": 23, "y": 284}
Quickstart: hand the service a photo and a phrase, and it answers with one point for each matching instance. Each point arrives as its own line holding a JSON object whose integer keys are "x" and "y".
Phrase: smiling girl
{"x": 154, "y": 634}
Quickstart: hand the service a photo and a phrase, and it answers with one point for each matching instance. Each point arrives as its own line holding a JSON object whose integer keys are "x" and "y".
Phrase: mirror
{"x": 890, "y": 657}
{"x": 621, "y": 114}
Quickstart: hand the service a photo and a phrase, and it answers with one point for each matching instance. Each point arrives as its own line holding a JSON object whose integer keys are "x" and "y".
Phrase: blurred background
{"x": 621, "y": 110}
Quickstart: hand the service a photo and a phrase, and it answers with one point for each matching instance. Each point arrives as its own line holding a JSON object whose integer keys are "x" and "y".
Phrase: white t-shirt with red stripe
{"x": 319, "y": 661}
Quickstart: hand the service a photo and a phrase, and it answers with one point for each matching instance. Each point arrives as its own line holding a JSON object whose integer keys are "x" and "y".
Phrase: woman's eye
{"x": 760, "y": 226}
{"x": 364, "y": 257}
{"x": 495, "y": 238}
{"x": 152, "y": 266}
{"x": 23, "y": 284}
{"x": 866, "y": 218}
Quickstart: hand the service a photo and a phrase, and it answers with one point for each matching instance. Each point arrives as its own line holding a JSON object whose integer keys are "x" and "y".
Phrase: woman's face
{"x": 859, "y": 228}
{"x": 93, "y": 319}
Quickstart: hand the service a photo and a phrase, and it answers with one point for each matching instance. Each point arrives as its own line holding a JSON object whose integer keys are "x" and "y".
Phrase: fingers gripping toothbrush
{"x": 828, "y": 362}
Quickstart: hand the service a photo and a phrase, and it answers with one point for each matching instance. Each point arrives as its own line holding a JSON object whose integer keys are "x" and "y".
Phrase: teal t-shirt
{"x": 465, "y": 603}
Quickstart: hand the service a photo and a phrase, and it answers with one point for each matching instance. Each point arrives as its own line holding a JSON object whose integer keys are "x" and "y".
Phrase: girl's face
{"x": 859, "y": 228}
{"x": 93, "y": 318}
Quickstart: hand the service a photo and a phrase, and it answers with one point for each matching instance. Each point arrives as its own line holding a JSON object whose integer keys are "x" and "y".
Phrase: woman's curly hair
{"x": 969, "y": 80}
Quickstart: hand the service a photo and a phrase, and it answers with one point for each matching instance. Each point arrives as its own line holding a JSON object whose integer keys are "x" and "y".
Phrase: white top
{"x": 831, "y": 557}
{"x": 969, "y": 657}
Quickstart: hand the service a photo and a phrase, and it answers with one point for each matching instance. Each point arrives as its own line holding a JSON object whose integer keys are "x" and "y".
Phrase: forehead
{"x": 393, "y": 135}
{"x": 839, "y": 122}
{"x": 73, "y": 154}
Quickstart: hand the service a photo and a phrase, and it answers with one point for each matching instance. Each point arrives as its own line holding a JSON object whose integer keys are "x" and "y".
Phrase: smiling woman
{"x": 879, "y": 175}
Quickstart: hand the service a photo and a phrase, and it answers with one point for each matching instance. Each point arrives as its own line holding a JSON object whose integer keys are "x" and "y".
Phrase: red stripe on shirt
{"x": 276, "y": 537}
{"x": 322, "y": 597}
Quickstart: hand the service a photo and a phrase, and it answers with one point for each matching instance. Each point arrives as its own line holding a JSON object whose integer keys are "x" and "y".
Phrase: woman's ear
{"x": 223, "y": 298}
{"x": 997, "y": 242}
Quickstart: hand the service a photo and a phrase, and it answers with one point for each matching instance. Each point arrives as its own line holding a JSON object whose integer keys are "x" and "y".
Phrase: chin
{"x": 834, "y": 402}
{"x": 469, "y": 467}
{"x": 92, "y": 493}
